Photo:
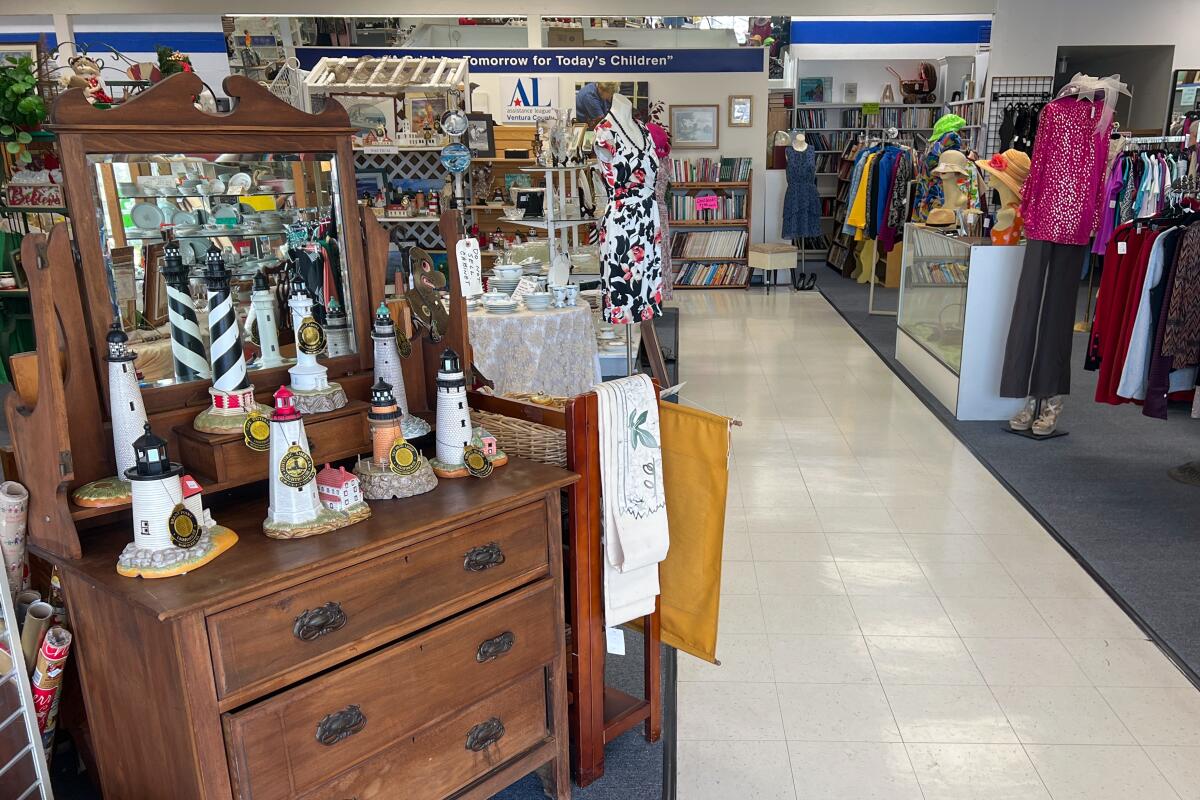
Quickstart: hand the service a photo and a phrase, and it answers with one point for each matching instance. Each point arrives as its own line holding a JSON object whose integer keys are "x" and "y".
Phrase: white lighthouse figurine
{"x": 295, "y": 509}
{"x": 262, "y": 314}
{"x": 387, "y": 369}
{"x": 459, "y": 447}
{"x": 231, "y": 390}
{"x": 187, "y": 347}
{"x": 396, "y": 469}
{"x": 128, "y": 415}
{"x": 310, "y": 383}
{"x": 172, "y": 532}
{"x": 337, "y": 330}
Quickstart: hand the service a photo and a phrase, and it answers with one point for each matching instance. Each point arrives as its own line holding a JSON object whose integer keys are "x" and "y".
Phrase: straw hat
{"x": 952, "y": 161}
{"x": 1010, "y": 168}
{"x": 941, "y": 218}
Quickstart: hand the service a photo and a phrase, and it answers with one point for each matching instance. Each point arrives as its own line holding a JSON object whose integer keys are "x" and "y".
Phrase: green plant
{"x": 21, "y": 108}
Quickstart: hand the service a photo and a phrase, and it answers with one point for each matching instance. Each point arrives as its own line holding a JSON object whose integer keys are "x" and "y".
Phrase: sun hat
{"x": 952, "y": 161}
{"x": 1010, "y": 168}
{"x": 941, "y": 218}
{"x": 947, "y": 123}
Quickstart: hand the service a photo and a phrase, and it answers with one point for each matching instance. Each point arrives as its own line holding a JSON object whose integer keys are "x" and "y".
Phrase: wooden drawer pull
{"x": 483, "y": 557}
{"x": 491, "y": 649}
{"x": 340, "y": 725}
{"x": 484, "y": 735}
{"x": 315, "y": 623}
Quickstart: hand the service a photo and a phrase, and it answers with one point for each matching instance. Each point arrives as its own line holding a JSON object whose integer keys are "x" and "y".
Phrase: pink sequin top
{"x": 1062, "y": 197}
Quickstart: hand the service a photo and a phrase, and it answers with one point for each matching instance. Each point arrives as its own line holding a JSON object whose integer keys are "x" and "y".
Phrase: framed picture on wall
{"x": 481, "y": 134}
{"x": 368, "y": 113}
{"x": 421, "y": 110}
{"x": 850, "y": 92}
{"x": 17, "y": 50}
{"x": 816, "y": 90}
{"x": 695, "y": 127}
{"x": 368, "y": 181}
{"x": 741, "y": 110}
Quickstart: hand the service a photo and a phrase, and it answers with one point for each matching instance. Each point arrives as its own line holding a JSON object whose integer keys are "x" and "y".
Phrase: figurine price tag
{"x": 311, "y": 337}
{"x": 404, "y": 459}
{"x": 256, "y": 432}
{"x": 184, "y": 528}
{"x": 476, "y": 462}
{"x": 470, "y": 267}
{"x": 296, "y": 467}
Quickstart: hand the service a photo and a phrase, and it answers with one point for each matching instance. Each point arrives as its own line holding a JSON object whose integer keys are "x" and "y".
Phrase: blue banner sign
{"x": 583, "y": 59}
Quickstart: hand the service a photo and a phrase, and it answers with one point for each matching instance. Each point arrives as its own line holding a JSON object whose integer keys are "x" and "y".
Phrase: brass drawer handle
{"x": 339, "y": 725}
{"x": 492, "y": 649}
{"x": 483, "y": 557}
{"x": 316, "y": 622}
{"x": 484, "y": 735}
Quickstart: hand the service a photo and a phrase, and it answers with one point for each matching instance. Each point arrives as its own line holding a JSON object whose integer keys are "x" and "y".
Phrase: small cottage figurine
{"x": 310, "y": 384}
{"x": 396, "y": 469}
{"x": 128, "y": 414}
{"x": 172, "y": 532}
{"x": 387, "y": 369}
{"x": 338, "y": 489}
{"x": 459, "y": 451}
{"x": 231, "y": 390}
{"x": 296, "y": 509}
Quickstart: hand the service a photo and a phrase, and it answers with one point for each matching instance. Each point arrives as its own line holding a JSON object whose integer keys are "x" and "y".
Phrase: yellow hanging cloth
{"x": 695, "y": 452}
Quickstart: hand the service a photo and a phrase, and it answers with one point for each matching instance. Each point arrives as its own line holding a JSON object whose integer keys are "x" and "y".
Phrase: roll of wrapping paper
{"x": 47, "y": 679}
{"x": 37, "y": 622}
{"x": 14, "y": 506}
{"x": 25, "y": 598}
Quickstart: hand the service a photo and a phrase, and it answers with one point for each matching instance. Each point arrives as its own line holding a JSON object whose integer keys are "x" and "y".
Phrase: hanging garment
{"x": 631, "y": 234}
{"x": 801, "y": 203}
{"x": 1120, "y": 314}
{"x": 636, "y": 536}
{"x": 1008, "y": 127}
{"x": 1037, "y": 355}
{"x": 660, "y": 197}
{"x": 1135, "y": 373}
{"x": 1181, "y": 336}
{"x": 1062, "y": 196}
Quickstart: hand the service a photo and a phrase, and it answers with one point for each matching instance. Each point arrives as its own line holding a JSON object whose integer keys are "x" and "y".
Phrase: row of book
{"x": 713, "y": 275}
{"x": 810, "y": 117}
{"x": 708, "y": 170}
{"x": 950, "y": 274}
{"x": 918, "y": 118}
{"x": 709, "y": 244}
{"x": 682, "y": 207}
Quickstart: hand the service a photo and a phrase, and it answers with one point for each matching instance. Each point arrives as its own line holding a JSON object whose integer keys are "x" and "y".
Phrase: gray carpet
{"x": 1103, "y": 490}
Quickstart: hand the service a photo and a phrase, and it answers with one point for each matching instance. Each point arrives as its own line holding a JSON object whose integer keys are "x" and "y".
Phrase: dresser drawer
{"x": 300, "y": 737}
{"x": 330, "y": 619}
{"x": 451, "y": 754}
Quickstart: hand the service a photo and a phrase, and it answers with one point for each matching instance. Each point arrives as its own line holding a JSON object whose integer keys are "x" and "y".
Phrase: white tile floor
{"x": 894, "y": 626}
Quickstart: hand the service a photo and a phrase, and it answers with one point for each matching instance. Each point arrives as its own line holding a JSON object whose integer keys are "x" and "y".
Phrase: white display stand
{"x": 983, "y": 309}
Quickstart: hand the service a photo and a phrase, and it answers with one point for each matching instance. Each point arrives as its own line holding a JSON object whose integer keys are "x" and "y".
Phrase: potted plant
{"x": 21, "y": 107}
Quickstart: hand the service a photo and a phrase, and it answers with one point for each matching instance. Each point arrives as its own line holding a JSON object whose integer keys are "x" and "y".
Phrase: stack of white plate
{"x": 538, "y": 301}
{"x": 502, "y": 285}
{"x": 502, "y": 306}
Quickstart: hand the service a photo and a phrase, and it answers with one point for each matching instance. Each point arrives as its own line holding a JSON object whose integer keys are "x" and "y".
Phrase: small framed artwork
{"x": 369, "y": 181}
{"x": 741, "y": 110}
{"x": 422, "y": 109}
{"x": 695, "y": 127}
{"x": 369, "y": 113}
{"x": 849, "y": 92}
{"x": 578, "y": 131}
{"x": 481, "y": 134}
{"x": 18, "y": 50}
{"x": 816, "y": 90}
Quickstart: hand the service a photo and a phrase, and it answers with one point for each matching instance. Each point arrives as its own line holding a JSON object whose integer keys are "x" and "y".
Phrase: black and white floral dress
{"x": 630, "y": 234}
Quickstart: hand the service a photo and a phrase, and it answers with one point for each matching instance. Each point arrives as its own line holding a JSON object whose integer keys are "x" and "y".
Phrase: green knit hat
{"x": 946, "y": 124}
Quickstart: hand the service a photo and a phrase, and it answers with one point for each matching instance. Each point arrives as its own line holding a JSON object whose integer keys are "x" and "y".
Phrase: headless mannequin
{"x": 803, "y": 281}
{"x": 622, "y": 114}
{"x": 799, "y": 142}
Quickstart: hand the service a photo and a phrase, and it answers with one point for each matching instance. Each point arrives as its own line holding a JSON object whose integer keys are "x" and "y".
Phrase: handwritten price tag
{"x": 527, "y": 284}
{"x": 707, "y": 202}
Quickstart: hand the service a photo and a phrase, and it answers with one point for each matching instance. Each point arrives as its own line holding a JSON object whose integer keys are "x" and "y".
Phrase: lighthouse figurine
{"x": 262, "y": 314}
{"x": 296, "y": 509}
{"x": 310, "y": 385}
{"x": 128, "y": 415}
{"x": 187, "y": 348}
{"x": 459, "y": 446}
{"x": 387, "y": 369}
{"x": 337, "y": 330}
{"x": 396, "y": 468}
{"x": 172, "y": 532}
{"x": 231, "y": 390}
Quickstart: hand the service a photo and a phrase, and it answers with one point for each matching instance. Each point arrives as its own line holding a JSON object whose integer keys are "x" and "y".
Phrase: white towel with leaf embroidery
{"x": 635, "y": 536}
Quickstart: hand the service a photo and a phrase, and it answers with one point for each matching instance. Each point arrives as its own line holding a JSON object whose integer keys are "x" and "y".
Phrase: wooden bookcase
{"x": 678, "y": 227}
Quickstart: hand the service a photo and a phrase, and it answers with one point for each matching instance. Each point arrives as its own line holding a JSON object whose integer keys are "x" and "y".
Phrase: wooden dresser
{"x": 419, "y": 654}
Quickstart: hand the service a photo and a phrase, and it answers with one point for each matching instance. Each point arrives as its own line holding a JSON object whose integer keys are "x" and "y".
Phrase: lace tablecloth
{"x": 553, "y": 351}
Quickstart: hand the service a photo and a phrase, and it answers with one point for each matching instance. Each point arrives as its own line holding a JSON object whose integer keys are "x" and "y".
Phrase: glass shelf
{"x": 934, "y": 278}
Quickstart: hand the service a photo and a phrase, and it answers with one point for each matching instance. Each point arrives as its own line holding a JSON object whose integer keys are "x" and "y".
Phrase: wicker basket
{"x": 518, "y": 437}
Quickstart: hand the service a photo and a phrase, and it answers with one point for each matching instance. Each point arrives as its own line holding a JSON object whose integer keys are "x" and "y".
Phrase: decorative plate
{"x": 147, "y": 216}
{"x": 184, "y": 218}
{"x": 239, "y": 183}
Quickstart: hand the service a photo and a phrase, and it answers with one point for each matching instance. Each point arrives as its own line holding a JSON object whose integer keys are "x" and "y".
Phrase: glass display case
{"x": 956, "y": 298}
{"x": 934, "y": 286}
{"x": 265, "y": 214}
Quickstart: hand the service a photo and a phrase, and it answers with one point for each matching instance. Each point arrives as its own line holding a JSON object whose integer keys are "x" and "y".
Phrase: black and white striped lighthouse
{"x": 187, "y": 347}
{"x": 232, "y": 393}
